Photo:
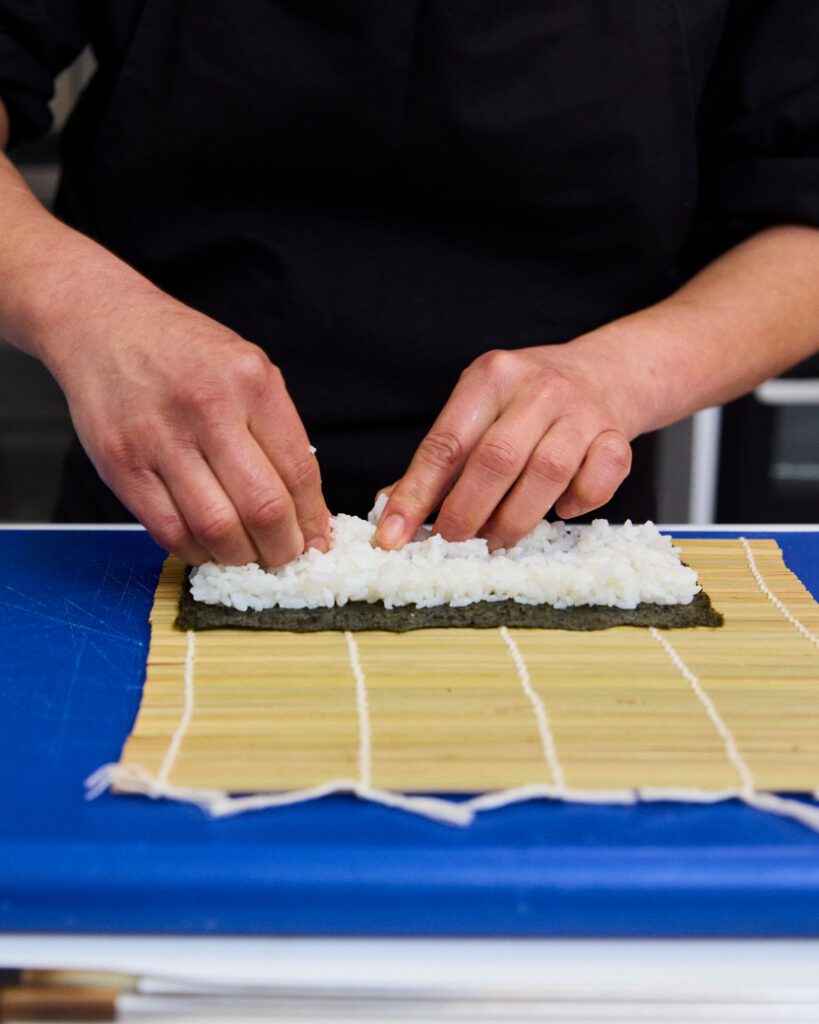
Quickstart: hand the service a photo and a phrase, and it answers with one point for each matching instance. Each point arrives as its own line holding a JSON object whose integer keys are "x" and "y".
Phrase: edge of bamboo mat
{"x": 753, "y": 624}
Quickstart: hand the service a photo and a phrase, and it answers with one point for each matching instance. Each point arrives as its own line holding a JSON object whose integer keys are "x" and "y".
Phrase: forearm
{"x": 27, "y": 236}
{"x": 748, "y": 316}
{"x": 51, "y": 277}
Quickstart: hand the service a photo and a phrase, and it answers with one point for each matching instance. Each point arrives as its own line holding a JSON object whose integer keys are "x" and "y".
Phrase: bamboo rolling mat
{"x": 614, "y": 715}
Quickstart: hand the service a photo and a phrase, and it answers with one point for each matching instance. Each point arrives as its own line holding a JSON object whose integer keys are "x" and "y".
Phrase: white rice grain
{"x": 559, "y": 565}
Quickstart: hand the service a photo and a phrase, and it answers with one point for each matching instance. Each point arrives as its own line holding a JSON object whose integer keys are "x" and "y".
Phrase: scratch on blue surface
{"x": 338, "y": 867}
{"x": 104, "y": 630}
{"x": 100, "y": 652}
{"x": 59, "y": 734}
{"x": 14, "y": 606}
{"x": 126, "y": 586}
{"x": 46, "y": 617}
{"x": 69, "y": 621}
{"x": 26, "y": 597}
{"x": 123, "y": 586}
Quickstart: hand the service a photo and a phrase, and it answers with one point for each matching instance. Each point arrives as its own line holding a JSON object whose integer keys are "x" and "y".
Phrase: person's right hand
{"x": 193, "y": 429}
{"x": 190, "y": 425}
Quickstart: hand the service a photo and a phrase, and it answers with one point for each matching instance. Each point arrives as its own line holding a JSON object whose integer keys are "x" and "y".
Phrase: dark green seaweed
{"x": 359, "y": 615}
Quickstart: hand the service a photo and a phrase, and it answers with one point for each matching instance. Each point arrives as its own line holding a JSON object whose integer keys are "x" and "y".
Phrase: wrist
{"x": 63, "y": 284}
{"x": 653, "y": 364}
{"x": 40, "y": 304}
{"x": 626, "y": 383}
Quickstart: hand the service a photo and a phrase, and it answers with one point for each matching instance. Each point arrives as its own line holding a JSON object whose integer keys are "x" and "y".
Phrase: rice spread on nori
{"x": 557, "y": 577}
{"x": 361, "y": 615}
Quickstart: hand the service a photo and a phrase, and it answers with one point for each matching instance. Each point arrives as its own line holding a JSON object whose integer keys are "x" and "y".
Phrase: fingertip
{"x": 568, "y": 509}
{"x": 284, "y": 547}
{"x": 315, "y": 530}
{"x": 393, "y": 530}
{"x": 453, "y": 524}
{"x": 179, "y": 542}
{"x": 493, "y": 541}
{"x": 193, "y": 555}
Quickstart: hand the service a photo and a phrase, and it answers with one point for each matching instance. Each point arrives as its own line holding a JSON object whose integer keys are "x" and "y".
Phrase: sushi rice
{"x": 563, "y": 566}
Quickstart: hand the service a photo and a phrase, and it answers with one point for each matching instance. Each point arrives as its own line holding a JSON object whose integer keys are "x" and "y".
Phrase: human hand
{"x": 193, "y": 429}
{"x": 523, "y": 431}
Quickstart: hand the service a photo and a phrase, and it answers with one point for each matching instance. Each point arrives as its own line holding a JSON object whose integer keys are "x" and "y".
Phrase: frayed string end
{"x": 134, "y": 780}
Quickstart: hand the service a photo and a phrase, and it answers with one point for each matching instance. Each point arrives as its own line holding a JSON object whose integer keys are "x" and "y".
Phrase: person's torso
{"x": 378, "y": 192}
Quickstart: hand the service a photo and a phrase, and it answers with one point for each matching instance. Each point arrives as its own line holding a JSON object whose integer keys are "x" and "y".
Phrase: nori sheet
{"x": 359, "y": 615}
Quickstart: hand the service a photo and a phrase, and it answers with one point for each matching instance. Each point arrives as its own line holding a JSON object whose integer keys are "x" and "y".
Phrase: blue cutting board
{"x": 73, "y": 640}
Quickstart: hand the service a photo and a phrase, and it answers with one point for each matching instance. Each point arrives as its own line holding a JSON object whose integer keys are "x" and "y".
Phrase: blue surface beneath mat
{"x": 73, "y": 639}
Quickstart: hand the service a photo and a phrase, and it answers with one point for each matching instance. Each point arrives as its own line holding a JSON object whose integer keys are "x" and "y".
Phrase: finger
{"x": 279, "y": 432}
{"x": 491, "y": 470}
{"x": 208, "y": 511}
{"x": 259, "y": 495}
{"x": 150, "y": 501}
{"x": 469, "y": 413}
{"x": 385, "y": 490}
{"x": 382, "y": 496}
{"x": 300, "y": 474}
{"x": 546, "y": 476}
{"x": 607, "y": 464}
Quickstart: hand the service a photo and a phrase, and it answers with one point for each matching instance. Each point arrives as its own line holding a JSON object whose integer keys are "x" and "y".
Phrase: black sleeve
{"x": 38, "y": 39}
{"x": 759, "y": 126}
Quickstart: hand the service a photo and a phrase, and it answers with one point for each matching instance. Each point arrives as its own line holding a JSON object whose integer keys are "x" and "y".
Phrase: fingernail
{"x": 391, "y": 531}
{"x": 493, "y": 542}
{"x": 317, "y": 544}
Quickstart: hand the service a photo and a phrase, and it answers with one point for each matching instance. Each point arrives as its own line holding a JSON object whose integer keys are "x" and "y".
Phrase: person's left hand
{"x": 523, "y": 431}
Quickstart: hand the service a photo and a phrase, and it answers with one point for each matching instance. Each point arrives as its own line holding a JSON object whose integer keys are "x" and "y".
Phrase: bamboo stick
{"x": 447, "y": 711}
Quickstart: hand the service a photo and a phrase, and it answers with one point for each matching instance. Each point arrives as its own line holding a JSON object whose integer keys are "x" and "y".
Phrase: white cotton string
{"x": 520, "y": 794}
{"x": 807, "y": 814}
{"x": 447, "y": 812}
{"x": 188, "y": 701}
{"x": 218, "y": 804}
{"x": 775, "y": 601}
{"x": 784, "y": 807}
{"x": 547, "y": 739}
{"x": 685, "y": 794}
{"x": 364, "y": 733}
{"x": 730, "y": 744}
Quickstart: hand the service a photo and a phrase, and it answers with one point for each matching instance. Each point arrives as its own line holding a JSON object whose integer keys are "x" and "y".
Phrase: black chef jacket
{"x": 377, "y": 191}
